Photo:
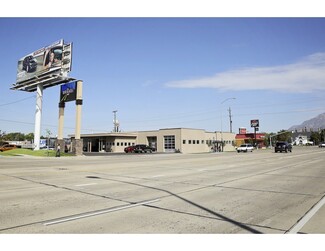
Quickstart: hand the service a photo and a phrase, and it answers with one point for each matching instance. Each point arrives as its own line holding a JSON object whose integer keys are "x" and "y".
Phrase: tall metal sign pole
{"x": 38, "y": 116}
{"x": 255, "y": 123}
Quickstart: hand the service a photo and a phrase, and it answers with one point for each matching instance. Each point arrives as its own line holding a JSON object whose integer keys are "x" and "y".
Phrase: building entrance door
{"x": 152, "y": 142}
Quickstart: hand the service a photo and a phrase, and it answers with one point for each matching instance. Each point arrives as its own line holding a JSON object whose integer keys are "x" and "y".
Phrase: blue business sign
{"x": 68, "y": 92}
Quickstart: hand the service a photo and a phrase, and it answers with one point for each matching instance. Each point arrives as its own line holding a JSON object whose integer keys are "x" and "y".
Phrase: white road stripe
{"x": 98, "y": 213}
{"x": 307, "y": 217}
{"x": 83, "y": 185}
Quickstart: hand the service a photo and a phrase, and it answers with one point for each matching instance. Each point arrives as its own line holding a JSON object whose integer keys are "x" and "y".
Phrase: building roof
{"x": 106, "y": 134}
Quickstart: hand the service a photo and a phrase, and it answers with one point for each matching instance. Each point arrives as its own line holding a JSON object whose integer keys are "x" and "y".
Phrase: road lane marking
{"x": 88, "y": 184}
{"x": 99, "y": 212}
{"x": 302, "y": 222}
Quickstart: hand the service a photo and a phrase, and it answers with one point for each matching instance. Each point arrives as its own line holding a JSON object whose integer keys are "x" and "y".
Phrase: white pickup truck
{"x": 245, "y": 148}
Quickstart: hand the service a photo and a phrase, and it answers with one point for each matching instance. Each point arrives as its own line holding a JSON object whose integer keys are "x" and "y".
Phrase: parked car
{"x": 7, "y": 147}
{"x": 129, "y": 149}
{"x": 143, "y": 149}
{"x": 245, "y": 148}
{"x": 321, "y": 144}
{"x": 282, "y": 146}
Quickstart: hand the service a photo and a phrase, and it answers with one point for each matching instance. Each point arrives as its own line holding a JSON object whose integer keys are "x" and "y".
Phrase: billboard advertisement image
{"x": 49, "y": 59}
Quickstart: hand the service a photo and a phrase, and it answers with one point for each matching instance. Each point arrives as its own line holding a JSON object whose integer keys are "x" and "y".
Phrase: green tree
{"x": 29, "y": 136}
{"x": 322, "y": 135}
{"x": 267, "y": 139}
{"x": 284, "y": 135}
{"x": 315, "y": 137}
{"x": 14, "y": 136}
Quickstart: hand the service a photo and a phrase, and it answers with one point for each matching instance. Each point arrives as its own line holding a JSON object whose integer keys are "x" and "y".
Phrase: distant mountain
{"x": 314, "y": 124}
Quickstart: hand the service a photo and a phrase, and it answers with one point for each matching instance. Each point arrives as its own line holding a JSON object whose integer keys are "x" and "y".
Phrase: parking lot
{"x": 258, "y": 192}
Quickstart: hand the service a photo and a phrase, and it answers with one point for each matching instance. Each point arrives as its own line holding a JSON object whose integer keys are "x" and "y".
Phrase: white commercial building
{"x": 184, "y": 140}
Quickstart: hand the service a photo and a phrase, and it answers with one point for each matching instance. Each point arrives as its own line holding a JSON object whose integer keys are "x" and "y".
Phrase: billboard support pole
{"x": 78, "y": 144}
{"x": 60, "y": 140}
{"x": 38, "y": 116}
{"x": 61, "y": 120}
{"x": 78, "y": 109}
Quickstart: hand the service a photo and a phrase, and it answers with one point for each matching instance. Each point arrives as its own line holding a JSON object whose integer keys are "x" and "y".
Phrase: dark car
{"x": 129, "y": 149}
{"x": 282, "y": 146}
{"x": 29, "y": 64}
{"x": 143, "y": 149}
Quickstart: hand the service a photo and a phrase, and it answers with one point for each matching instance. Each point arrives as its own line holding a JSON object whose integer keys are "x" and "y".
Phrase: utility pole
{"x": 222, "y": 143}
{"x": 230, "y": 120}
{"x": 115, "y": 122}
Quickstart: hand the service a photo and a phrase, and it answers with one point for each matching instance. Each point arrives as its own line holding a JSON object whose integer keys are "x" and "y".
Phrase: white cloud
{"x": 306, "y": 75}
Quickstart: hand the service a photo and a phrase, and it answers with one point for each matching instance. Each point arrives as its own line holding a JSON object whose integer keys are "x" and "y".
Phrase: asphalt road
{"x": 259, "y": 192}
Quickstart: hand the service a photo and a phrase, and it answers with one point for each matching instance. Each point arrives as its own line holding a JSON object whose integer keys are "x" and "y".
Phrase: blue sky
{"x": 172, "y": 72}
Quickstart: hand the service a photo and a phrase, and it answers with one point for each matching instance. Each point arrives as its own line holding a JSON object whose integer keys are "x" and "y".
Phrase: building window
{"x": 198, "y": 142}
{"x": 190, "y": 141}
{"x": 184, "y": 141}
{"x": 202, "y": 141}
{"x": 118, "y": 144}
{"x": 169, "y": 143}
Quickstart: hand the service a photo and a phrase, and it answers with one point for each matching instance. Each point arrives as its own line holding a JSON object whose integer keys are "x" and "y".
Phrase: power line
{"x": 20, "y": 100}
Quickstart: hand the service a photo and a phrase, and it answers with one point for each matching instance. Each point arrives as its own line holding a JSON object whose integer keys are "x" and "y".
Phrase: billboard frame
{"x": 42, "y": 71}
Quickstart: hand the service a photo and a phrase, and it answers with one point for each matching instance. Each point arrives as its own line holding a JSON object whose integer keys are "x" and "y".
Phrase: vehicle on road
{"x": 7, "y": 147}
{"x": 129, "y": 149}
{"x": 282, "y": 146}
{"x": 245, "y": 148}
{"x": 144, "y": 149}
{"x": 321, "y": 144}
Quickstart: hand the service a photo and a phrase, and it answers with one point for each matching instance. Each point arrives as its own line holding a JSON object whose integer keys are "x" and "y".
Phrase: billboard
{"x": 68, "y": 92}
{"x": 255, "y": 123}
{"x": 242, "y": 130}
{"x": 56, "y": 57}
